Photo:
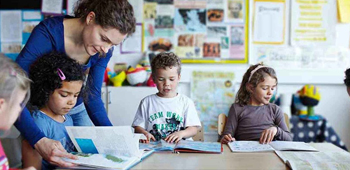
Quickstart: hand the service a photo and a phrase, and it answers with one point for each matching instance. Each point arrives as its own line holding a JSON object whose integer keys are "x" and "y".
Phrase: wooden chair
{"x": 221, "y": 123}
{"x": 200, "y": 135}
{"x": 286, "y": 120}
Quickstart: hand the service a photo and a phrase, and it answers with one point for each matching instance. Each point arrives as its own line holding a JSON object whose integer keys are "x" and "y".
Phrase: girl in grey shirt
{"x": 252, "y": 116}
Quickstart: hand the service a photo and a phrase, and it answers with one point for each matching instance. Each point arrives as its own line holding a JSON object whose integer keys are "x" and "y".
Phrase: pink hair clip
{"x": 60, "y": 73}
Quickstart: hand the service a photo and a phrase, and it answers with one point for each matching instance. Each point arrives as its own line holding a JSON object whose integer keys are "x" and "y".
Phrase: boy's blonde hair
{"x": 243, "y": 95}
{"x": 12, "y": 78}
{"x": 163, "y": 60}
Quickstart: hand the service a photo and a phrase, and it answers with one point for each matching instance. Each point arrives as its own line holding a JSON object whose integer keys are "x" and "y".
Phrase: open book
{"x": 114, "y": 147}
{"x": 184, "y": 146}
{"x": 315, "y": 160}
{"x": 255, "y": 146}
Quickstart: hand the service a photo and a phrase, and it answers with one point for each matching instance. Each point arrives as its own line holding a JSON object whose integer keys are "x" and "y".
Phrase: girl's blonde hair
{"x": 243, "y": 95}
{"x": 12, "y": 78}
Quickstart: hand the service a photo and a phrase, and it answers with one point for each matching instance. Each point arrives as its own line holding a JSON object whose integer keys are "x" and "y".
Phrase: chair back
{"x": 286, "y": 120}
{"x": 221, "y": 123}
{"x": 200, "y": 135}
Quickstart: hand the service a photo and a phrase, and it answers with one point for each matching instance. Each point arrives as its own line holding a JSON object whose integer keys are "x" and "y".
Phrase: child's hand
{"x": 268, "y": 134}
{"x": 149, "y": 136}
{"x": 174, "y": 137}
{"x": 227, "y": 138}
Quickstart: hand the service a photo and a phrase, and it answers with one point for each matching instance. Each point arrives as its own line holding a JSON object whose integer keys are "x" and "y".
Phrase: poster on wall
{"x": 313, "y": 23}
{"x": 198, "y": 31}
{"x": 133, "y": 43}
{"x": 16, "y": 27}
{"x": 213, "y": 93}
{"x": 269, "y": 22}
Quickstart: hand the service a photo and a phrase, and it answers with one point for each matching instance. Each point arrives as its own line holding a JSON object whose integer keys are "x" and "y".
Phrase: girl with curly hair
{"x": 252, "y": 116}
{"x": 87, "y": 38}
{"x": 57, "y": 83}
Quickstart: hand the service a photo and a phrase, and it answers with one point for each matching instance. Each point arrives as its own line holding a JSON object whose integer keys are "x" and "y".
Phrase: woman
{"x": 87, "y": 38}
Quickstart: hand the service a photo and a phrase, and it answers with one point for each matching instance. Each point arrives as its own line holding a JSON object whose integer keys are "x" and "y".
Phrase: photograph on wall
{"x": 237, "y": 42}
{"x": 216, "y": 31}
{"x": 234, "y": 11}
{"x": 215, "y": 15}
{"x": 224, "y": 43}
{"x": 193, "y": 20}
{"x": 211, "y": 49}
{"x": 165, "y": 21}
{"x": 185, "y": 40}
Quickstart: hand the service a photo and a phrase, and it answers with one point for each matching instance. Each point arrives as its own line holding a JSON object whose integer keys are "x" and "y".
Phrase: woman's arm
{"x": 94, "y": 104}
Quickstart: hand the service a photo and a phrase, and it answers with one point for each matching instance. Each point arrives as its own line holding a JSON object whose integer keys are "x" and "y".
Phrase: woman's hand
{"x": 227, "y": 138}
{"x": 267, "y": 135}
{"x": 149, "y": 137}
{"x": 175, "y": 137}
{"x": 52, "y": 151}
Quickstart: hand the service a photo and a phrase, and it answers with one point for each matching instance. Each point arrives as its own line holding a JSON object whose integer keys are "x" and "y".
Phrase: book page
{"x": 114, "y": 140}
{"x": 213, "y": 147}
{"x": 103, "y": 160}
{"x": 315, "y": 160}
{"x": 249, "y": 146}
{"x": 288, "y": 145}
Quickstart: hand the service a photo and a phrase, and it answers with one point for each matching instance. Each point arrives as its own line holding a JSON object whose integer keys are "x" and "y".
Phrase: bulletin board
{"x": 305, "y": 41}
{"x": 198, "y": 31}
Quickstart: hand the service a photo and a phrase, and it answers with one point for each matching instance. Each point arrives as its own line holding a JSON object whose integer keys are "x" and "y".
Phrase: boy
{"x": 166, "y": 115}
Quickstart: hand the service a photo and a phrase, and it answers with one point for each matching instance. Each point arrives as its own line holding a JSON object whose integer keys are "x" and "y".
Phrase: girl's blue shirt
{"x": 46, "y": 37}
